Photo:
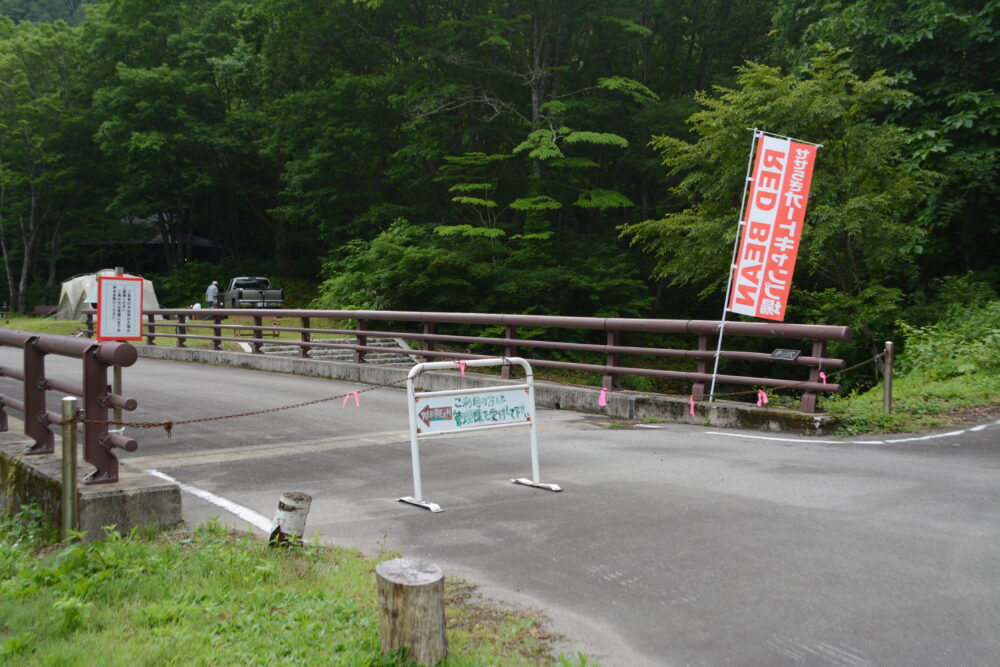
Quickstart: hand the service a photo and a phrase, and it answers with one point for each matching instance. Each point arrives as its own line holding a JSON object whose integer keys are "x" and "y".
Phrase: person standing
{"x": 211, "y": 294}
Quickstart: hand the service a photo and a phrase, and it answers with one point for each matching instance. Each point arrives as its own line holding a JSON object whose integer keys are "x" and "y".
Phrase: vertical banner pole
{"x": 732, "y": 262}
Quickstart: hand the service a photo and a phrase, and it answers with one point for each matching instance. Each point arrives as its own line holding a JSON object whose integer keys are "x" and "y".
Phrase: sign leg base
{"x": 538, "y": 485}
{"x": 433, "y": 507}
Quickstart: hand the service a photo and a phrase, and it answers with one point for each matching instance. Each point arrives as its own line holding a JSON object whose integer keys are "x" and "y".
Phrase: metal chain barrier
{"x": 169, "y": 425}
{"x": 802, "y": 382}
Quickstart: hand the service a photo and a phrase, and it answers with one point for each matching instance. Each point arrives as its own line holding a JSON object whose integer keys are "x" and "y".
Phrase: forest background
{"x": 571, "y": 157}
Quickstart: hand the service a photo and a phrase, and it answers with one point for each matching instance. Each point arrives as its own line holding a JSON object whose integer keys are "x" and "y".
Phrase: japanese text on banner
{"x": 772, "y": 228}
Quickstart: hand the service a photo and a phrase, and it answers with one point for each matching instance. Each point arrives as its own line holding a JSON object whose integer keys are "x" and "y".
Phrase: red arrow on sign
{"x": 429, "y": 414}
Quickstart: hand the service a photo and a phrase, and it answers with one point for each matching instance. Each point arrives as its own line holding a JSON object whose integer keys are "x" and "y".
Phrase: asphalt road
{"x": 674, "y": 545}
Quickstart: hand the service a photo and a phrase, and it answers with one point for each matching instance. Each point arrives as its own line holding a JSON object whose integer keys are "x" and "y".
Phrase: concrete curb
{"x": 136, "y": 500}
{"x": 620, "y": 404}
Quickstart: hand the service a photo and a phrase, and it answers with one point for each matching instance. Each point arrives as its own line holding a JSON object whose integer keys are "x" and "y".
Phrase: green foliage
{"x": 861, "y": 236}
{"x": 965, "y": 343}
{"x": 941, "y": 368}
{"x": 945, "y": 54}
{"x": 539, "y": 203}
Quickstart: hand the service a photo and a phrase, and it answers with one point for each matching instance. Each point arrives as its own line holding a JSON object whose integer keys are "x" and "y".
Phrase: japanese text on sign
{"x": 772, "y": 228}
{"x": 119, "y": 308}
{"x": 447, "y": 413}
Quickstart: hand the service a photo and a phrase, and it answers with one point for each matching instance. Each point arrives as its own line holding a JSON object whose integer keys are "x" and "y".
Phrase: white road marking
{"x": 258, "y": 521}
{"x": 816, "y": 441}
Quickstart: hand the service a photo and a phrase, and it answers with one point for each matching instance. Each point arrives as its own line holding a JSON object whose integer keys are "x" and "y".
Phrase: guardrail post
{"x": 36, "y": 421}
{"x": 70, "y": 505}
{"x": 258, "y": 333}
{"x": 808, "y": 402}
{"x": 359, "y": 355}
{"x": 698, "y": 388}
{"x": 150, "y": 328}
{"x": 96, "y": 442}
{"x": 217, "y": 332}
{"x": 306, "y": 337}
{"x": 887, "y": 378}
{"x": 509, "y": 350}
{"x": 181, "y": 330}
{"x": 427, "y": 345}
{"x": 614, "y": 339}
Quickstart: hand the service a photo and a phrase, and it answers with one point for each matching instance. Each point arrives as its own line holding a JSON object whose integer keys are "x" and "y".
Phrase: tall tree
{"x": 163, "y": 112}
{"x": 38, "y": 110}
{"x": 945, "y": 54}
{"x": 862, "y": 235}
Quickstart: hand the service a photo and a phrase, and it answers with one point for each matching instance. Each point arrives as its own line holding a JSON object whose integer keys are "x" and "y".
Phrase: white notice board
{"x": 474, "y": 409}
{"x": 119, "y": 308}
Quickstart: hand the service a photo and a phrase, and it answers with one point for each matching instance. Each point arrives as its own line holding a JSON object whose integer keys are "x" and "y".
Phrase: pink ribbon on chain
{"x": 761, "y": 397}
{"x": 602, "y": 400}
{"x": 692, "y": 405}
{"x": 357, "y": 399}
{"x": 822, "y": 376}
{"x": 461, "y": 367}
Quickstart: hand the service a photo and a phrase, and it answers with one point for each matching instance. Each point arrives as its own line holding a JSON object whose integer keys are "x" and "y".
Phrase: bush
{"x": 941, "y": 368}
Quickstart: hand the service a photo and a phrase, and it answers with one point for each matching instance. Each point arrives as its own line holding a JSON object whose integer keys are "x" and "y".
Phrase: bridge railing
{"x": 216, "y": 326}
{"x": 97, "y": 396}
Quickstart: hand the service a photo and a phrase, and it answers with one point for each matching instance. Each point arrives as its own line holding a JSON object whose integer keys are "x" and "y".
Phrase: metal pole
{"x": 887, "y": 376}
{"x": 69, "y": 496}
{"x": 418, "y": 493}
{"x": 732, "y": 262}
{"x": 117, "y": 388}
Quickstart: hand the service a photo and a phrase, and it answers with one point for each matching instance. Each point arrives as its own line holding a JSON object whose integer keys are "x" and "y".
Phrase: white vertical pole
{"x": 530, "y": 380}
{"x": 732, "y": 262}
{"x": 418, "y": 493}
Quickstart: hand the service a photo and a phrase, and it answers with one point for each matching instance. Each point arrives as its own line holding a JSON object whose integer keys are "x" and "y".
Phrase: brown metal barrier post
{"x": 509, "y": 350}
{"x": 427, "y": 344}
{"x": 151, "y": 329}
{"x": 306, "y": 337}
{"x": 698, "y": 388}
{"x": 217, "y": 332}
{"x": 614, "y": 340}
{"x": 36, "y": 425}
{"x": 359, "y": 355}
{"x": 258, "y": 322}
{"x": 808, "y": 402}
{"x": 181, "y": 331}
{"x": 97, "y": 442}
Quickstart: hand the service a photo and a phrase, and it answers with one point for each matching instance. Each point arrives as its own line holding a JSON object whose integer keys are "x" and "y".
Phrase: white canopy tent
{"x": 80, "y": 292}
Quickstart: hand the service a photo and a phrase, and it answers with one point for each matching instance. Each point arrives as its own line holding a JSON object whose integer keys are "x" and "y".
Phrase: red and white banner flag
{"x": 771, "y": 228}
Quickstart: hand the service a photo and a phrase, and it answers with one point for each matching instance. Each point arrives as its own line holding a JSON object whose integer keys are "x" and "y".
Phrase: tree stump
{"x": 290, "y": 520}
{"x": 411, "y": 609}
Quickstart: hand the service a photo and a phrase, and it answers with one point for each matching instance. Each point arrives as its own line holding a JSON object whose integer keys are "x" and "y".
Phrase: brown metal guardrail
{"x": 211, "y": 325}
{"x": 97, "y": 396}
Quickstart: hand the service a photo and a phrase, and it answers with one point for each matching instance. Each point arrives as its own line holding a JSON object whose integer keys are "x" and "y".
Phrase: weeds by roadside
{"x": 214, "y": 596}
{"x": 946, "y": 371}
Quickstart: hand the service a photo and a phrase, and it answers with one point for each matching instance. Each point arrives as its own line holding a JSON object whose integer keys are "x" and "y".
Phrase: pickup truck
{"x": 247, "y": 292}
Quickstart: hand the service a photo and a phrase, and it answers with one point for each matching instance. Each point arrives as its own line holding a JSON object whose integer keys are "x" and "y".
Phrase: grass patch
{"x": 43, "y": 325}
{"x": 215, "y": 596}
